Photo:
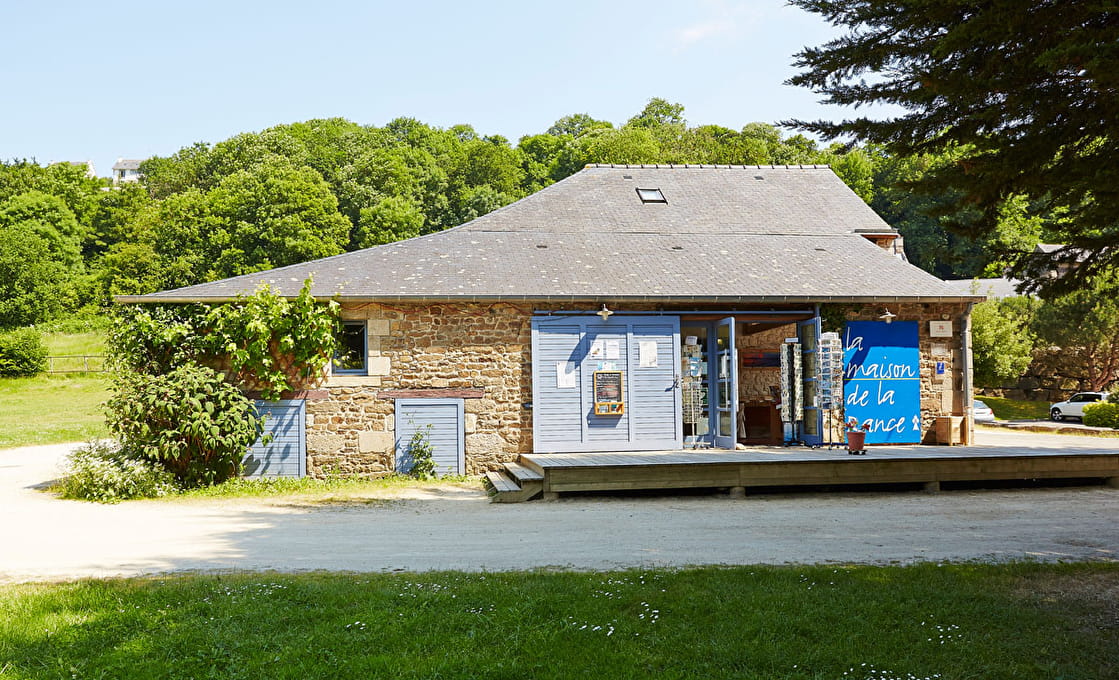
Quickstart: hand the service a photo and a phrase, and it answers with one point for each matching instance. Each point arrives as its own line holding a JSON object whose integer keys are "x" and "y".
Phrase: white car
{"x": 1074, "y": 406}
{"x": 982, "y": 413}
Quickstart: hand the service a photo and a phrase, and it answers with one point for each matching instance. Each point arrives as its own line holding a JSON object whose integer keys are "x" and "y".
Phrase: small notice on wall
{"x": 940, "y": 329}
{"x": 565, "y": 375}
{"x": 647, "y": 353}
{"x": 613, "y": 349}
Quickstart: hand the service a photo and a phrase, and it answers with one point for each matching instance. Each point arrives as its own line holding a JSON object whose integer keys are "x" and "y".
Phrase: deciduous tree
{"x": 50, "y": 218}
{"x": 31, "y": 278}
{"x": 1002, "y": 342}
{"x": 1078, "y": 339}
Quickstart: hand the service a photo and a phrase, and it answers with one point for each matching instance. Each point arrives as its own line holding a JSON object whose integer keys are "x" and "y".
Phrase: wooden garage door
{"x": 566, "y": 352}
{"x": 286, "y": 454}
{"x": 443, "y": 422}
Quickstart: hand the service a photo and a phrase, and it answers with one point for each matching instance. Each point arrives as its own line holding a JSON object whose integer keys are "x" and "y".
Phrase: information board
{"x": 882, "y": 380}
{"x": 608, "y": 395}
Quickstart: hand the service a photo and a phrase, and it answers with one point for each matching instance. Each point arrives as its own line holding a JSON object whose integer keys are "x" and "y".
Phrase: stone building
{"x": 630, "y": 308}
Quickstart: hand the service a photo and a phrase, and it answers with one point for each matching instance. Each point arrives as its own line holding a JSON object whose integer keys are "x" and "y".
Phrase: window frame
{"x": 364, "y": 369}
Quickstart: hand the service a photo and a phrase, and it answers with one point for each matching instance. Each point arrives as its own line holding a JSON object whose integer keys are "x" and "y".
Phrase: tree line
{"x": 307, "y": 190}
{"x": 312, "y": 189}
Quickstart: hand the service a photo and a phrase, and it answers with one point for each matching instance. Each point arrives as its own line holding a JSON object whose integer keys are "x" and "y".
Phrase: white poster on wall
{"x": 613, "y": 349}
{"x": 647, "y": 353}
{"x": 565, "y": 375}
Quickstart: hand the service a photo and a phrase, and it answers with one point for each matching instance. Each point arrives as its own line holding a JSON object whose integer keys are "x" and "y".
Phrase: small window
{"x": 651, "y": 196}
{"x": 351, "y": 355}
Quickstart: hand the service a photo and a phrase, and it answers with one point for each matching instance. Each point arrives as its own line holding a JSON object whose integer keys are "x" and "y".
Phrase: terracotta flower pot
{"x": 856, "y": 441}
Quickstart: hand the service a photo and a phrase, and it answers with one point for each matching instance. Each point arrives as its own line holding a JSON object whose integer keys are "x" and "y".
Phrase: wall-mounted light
{"x": 886, "y": 315}
{"x": 604, "y": 313}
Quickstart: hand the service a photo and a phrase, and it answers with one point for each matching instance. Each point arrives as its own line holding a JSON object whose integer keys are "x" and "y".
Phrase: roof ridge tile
{"x": 703, "y": 166}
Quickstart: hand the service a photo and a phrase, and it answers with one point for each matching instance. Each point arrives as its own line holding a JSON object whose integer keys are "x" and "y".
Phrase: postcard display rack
{"x": 830, "y": 388}
{"x": 792, "y": 391}
{"x": 694, "y": 390}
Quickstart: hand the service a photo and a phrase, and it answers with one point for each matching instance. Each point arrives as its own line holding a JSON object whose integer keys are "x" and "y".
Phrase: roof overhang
{"x": 674, "y": 299}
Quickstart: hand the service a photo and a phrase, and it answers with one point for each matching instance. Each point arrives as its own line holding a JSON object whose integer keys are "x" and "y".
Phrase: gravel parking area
{"x": 43, "y": 537}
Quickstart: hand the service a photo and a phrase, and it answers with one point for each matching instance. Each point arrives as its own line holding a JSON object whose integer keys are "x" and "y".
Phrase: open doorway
{"x": 731, "y": 378}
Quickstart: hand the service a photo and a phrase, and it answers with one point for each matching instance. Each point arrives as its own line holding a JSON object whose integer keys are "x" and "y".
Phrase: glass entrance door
{"x": 725, "y": 385}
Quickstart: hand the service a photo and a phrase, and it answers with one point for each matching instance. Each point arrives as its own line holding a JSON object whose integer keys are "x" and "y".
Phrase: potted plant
{"x": 856, "y": 436}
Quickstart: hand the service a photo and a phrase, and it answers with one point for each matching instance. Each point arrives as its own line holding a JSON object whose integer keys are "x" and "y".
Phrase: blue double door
{"x": 568, "y": 351}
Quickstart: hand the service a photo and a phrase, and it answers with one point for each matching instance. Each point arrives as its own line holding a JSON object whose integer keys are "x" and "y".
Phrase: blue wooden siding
{"x": 557, "y": 412}
{"x": 563, "y": 414}
{"x": 447, "y": 433}
{"x": 286, "y": 454}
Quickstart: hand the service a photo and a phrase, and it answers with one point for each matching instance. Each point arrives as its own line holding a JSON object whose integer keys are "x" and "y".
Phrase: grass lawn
{"x": 842, "y": 623}
{"x": 334, "y": 488}
{"x": 49, "y": 409}
{"x": 68, "y": 344}
{"x": 1014, "y": 409}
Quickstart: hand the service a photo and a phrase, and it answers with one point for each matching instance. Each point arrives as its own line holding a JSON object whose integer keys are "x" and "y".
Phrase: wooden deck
{"x": 799, "y": 466}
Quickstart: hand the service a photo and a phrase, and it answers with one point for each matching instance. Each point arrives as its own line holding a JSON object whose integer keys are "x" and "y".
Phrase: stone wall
{"x": 941, "y": 395}
{"x": 482, "y": 348}
{"x": 483, "y": 353}
{"x": 755, "y": 382}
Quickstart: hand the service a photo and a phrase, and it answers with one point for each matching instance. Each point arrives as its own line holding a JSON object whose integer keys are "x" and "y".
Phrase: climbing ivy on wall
{"x": 274, "y": 344}
{"x": 262, "y": 342}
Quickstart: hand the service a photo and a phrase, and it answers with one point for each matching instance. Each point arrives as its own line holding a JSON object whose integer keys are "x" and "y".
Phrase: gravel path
{"x": 42, "y": 537}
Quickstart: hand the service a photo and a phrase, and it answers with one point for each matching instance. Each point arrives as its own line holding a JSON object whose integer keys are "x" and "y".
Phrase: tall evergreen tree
{"x": 1025, "y": 92}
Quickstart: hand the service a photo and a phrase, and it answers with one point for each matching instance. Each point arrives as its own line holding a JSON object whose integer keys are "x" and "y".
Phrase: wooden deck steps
{"x": 515, "y": 483}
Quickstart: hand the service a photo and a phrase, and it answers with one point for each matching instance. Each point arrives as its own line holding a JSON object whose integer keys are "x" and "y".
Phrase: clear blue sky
{"x": 101, "y": 80}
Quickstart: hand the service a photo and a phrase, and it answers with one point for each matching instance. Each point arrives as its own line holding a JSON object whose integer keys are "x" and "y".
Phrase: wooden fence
{"x": 76, "y": 363}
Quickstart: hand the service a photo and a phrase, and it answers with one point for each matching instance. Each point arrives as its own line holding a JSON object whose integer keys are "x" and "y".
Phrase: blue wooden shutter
{"x": 446, "y": 434}
{"x": 286, "y": 454}
{"x": 563, "y": 409}
{"x": 557, "y": 412}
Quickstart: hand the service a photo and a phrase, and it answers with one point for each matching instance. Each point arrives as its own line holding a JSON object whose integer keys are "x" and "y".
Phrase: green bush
{"x": 1102, "y": 414}
{"x": 189, "y": 420}
{"x": 101, "y": 471}
{"x": 22, "y": 353}
{"x": 423, "y": 455}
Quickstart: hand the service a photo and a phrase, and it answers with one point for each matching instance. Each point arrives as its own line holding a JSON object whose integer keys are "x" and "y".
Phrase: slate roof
{"x": 725, "y": 234}
{"x": 127, "y": 164}
{"x": 992, "y": 288}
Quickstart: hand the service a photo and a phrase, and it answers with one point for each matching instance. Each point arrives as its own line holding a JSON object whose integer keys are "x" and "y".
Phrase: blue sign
{"x": 882, "y": 380}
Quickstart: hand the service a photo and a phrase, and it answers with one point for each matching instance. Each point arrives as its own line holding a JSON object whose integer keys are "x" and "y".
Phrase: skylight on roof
{"x": 651, "y": 196}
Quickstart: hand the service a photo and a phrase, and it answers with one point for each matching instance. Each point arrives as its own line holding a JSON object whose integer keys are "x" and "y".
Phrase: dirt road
{"x": 42, "y": 537}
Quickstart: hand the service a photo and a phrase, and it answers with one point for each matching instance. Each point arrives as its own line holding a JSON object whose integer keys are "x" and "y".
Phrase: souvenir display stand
{"x": 694, "y": 394}
{"x": 831, "y": 389}
{"x": 792, "y": 391}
